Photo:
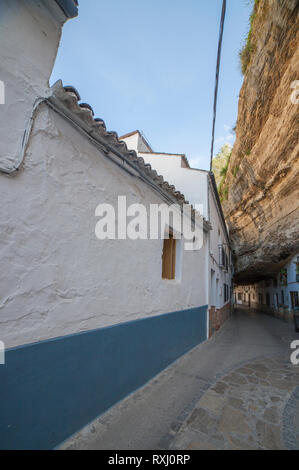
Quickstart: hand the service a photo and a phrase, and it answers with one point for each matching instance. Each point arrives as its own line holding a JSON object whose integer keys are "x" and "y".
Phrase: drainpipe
{"x": 9, "y": 170}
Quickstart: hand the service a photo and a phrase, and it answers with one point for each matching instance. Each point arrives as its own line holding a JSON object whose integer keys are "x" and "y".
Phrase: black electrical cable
{"x": 217, "y": 77}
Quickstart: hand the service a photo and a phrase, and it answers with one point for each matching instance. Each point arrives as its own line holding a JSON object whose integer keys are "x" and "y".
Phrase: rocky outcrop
{"x": 261, "y": 190}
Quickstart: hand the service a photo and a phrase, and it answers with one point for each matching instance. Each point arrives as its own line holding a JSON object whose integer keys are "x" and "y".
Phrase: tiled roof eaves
{"x": 65, "y": 101}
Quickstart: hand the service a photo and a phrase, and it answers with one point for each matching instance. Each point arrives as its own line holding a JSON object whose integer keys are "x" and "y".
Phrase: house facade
{"x": 200, "y": 189}
{"x": 87, "y": 320}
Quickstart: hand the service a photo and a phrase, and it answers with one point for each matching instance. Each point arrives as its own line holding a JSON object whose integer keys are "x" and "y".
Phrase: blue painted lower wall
{"x": 51, "y": 389}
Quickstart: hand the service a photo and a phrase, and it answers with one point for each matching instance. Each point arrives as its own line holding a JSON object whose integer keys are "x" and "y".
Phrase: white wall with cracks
{"x": 29, "y": 36}
{"x": 57, "y": 277}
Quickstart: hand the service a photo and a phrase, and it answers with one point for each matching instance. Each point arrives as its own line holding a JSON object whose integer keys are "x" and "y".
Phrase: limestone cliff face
{"x": 261, "y": 190}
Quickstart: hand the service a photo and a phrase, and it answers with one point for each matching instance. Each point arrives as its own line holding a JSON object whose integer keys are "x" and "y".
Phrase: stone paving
{"x": 254, "y": 406}
{"x": 155, "y": 415}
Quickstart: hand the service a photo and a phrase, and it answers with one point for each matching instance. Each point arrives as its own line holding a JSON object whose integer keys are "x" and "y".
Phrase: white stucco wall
{"x": 217, "y": 236}
{"x": 132, "y": 141}
{"x": 136, "y": 142}
{"x": 29, "y": 37}
{"x": 58, "y": 277}
{"x": 191, "y": 183}
{"x": 195, "y": 186}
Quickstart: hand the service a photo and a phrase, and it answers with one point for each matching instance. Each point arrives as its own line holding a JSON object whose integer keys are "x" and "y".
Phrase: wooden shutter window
{"x": 168, "y": 258}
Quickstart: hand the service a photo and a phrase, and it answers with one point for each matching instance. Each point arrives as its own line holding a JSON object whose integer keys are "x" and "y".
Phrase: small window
{"x": 169, "y": 257}
{"x": 294, "y": 299}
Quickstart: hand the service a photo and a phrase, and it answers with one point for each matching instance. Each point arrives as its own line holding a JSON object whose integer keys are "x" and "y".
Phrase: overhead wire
{"x": 223, "y": 12}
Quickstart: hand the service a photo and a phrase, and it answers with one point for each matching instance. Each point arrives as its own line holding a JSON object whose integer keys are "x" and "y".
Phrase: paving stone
{"x": 233, "y": 420}
{"x": 253, "y": 379}
{"x": 271, "y": 414}
{"x": 236, "y": 403}
{"x": 201, "y": 420}
{"x": 261, "y": 374}
{"x": 269, "y": 436}
{"x": 264, "y": 383}
{"x": 212, "y": 401}
{"x": 220, "y": 387}
{"x": 262, "y": 403}
{"x": 195, "y": 445}
{"x": 277, "y": 365}
{"x": 253, "y": 407}
{"x": 283, "y": 384}
{"x": 244, "y": 409}
{"x": 275, "y": 399}
{"x": 219, "y": 437}
{"x": 258, "y": 367}
{"x": 187, "y": 437}
{"x": 291, "y": 421}
{"x": 245, "y": 370}
{"x": 237, "y": 444}
{"x": 235, "y": 379}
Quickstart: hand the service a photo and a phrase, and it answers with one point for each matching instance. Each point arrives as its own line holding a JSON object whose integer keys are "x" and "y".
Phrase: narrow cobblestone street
{"x": 238, "y": 390}
{"x": 246, "y": 409}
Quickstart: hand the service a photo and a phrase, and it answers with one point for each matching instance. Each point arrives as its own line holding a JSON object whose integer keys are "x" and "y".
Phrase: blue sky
{"x": 150, "y": 65}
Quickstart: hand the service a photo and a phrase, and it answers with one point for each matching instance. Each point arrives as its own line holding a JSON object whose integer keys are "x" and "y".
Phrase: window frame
{"x": 169, "y": 257}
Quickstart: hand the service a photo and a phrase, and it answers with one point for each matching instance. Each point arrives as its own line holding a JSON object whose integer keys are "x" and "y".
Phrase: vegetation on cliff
{"x": 220, "y": 162}
{"x": 219, "y": 168}
{"x": 249, "y": 46}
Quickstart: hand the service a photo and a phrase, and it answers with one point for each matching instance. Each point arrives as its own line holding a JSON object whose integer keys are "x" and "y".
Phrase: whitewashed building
{"x": 86, "y": 321}
{"x": 199, "y": 188}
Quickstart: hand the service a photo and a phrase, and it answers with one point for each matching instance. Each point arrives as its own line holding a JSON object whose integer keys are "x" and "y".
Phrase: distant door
{"x": 248, "y": 300}
{"x": 294, "y": 299}
{"x": 268, "y": 300}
